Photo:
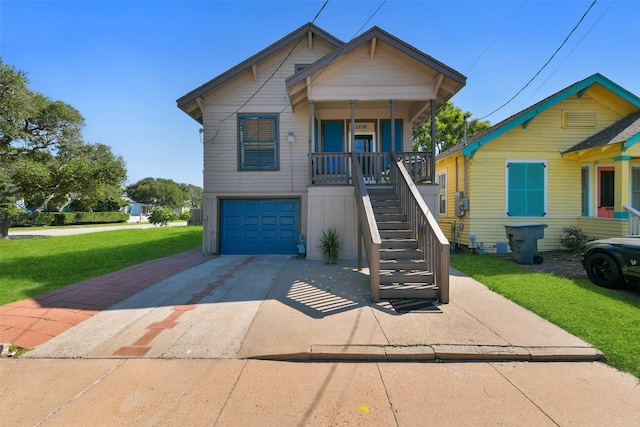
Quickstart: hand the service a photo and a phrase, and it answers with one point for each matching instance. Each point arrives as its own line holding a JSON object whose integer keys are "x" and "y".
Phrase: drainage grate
{"x": 415, "y": 306}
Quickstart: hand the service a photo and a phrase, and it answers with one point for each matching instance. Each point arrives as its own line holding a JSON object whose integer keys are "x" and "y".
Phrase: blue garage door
{"x": 259, "y": 226}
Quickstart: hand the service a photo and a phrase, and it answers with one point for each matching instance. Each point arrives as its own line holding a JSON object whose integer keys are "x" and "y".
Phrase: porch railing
{"x": 337, "y": 168}
{"x": 634, "y": 220}
{"x": 431, "y": 240}
{"x": 367, "y": 231}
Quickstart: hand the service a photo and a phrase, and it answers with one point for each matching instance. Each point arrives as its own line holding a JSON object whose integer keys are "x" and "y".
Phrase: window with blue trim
{"x": 258, "y": 142}
{"x": 635, "y": 188}
{"x": 584, "y": 187}
{"x": 526, "y": 189}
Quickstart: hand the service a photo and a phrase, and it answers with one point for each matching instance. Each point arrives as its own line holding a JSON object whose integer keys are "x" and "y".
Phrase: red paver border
{"x": 33, "y": 321}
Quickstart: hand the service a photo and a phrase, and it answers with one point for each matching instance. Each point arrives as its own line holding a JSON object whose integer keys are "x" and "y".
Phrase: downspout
{"x": 464, "y": 159}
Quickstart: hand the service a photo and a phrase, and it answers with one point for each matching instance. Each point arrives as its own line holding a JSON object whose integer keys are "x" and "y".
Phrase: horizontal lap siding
{"x": 388, "y": 76}
{"x": 221, "y": 161}
{"x": 543, "y": 139}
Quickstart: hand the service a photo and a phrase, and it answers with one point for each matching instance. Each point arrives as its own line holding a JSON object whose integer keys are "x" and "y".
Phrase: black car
{"x": 611, "y": 263}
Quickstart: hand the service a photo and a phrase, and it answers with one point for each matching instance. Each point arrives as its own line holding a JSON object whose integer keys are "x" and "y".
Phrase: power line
{"x": 544, "y": 66}
{"x": 493, "y": 41}
{"x": 337, "y": 52}
{"x": 567, "y": 57}
{"x": 276, "y": 70}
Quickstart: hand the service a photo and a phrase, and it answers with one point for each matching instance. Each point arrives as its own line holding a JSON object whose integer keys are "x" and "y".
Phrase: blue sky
{"x": 123, "y": 64}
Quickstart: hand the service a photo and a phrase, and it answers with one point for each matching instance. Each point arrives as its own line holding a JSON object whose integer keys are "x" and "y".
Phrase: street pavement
{"x": 275, "y": 340}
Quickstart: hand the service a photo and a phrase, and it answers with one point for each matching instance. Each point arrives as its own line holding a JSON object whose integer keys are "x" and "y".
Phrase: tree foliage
{"x": 157, "y": 192}
{"x": 44, "y": 161}
{"x": 194, "y": 194}
{"x": 449, "y": 129}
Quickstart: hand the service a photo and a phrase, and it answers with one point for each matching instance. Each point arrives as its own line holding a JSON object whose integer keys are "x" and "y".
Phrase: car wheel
{"x": 603, "y": 270}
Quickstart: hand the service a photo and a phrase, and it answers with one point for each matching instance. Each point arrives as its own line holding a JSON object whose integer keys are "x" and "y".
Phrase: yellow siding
{"x": 543, "y": 139}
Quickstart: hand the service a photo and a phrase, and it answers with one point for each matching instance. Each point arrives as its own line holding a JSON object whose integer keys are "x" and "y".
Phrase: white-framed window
{"x": 526, "y": 188}
{"x": 635, "y": 187}
{"x": 441, "y": 178}
{"x": 585, "y": 190}
{"x": 258, "y": 142}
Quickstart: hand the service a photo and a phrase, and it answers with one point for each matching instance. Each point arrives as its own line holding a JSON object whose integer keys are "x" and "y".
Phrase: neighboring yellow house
{"x": 571, "y": 159}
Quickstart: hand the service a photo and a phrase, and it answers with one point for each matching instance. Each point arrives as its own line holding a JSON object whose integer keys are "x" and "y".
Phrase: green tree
{"x": 43, "y": 158}
{"x": 449, "y": 129}
{"x": 157, "y": 192}
{"x": 194, "y": 194}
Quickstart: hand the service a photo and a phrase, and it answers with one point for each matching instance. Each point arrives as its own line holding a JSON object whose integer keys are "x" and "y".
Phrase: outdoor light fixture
{"x": 291, "y": 137}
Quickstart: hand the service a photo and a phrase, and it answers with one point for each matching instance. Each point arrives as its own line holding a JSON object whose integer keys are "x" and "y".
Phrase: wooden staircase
{"x": 404, "y": 272}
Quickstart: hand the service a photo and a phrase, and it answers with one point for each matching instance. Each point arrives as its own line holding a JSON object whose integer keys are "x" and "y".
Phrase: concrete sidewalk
{"x": 219, "y": 343}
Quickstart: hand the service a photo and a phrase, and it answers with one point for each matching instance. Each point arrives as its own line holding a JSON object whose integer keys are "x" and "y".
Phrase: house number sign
{"x": 365, "y": 127}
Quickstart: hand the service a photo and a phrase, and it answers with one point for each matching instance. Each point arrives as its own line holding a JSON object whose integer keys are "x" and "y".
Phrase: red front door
{"x": 606, "y": 190}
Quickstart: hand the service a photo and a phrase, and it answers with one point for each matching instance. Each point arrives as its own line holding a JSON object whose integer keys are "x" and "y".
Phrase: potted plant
{"x": 330, "y": 245}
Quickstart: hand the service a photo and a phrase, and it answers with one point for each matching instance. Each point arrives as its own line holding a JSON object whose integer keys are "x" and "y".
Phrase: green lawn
{"x": 606, "y": 318}
{"x": 31, "y": 266}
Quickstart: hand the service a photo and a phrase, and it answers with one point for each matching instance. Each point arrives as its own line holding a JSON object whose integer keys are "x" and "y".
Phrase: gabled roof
{"x": 626, "y": 130}
{"x": 527, "y": 115}
{"x": 375, "y": 32}
{"x": 248, "y": 63}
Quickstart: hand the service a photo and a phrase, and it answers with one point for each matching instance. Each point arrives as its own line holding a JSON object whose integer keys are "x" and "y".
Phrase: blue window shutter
{"x": 386, "y": 135}
{"x": 526, "y": 189}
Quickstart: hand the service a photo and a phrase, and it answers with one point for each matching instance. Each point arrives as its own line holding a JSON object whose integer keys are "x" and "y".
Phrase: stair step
{"x": 409, "y": 291}
{"x": 393, "y": 225}
{"x": 403, "y": 264}
{"x": 399, "y": 244}
{"x": 387, "y": 217}
{"x": 389, "y": 277}
{"x": 388, "y": 254}
{"x": 387, "y": 210}
{"x": 379, "y": 203}
{"x": 397, "y": 234}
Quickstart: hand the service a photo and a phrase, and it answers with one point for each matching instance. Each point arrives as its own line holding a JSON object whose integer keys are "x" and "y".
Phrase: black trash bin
{"x": 523, "y": 240}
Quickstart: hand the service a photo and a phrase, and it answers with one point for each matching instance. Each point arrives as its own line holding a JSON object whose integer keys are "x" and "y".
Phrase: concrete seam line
{"x": 81, "y": 393}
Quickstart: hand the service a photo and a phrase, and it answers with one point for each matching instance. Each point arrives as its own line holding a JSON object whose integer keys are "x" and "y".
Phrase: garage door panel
{"x": 259, "y": 226}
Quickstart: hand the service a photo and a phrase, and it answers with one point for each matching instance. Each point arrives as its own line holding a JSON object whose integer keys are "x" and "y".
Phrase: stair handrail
{"x": 634, "y": 220}
{"x": 367, "y": 229}
{"x": 431, "y": 239}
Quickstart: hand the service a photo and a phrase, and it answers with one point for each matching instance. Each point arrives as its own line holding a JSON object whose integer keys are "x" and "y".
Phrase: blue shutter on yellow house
{"x": 525, "y": 190}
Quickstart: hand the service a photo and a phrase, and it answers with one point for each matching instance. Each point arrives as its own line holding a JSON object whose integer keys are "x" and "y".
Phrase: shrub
{"x": 330, "y": 245}
{"x": 161, "y": 216}
{"x": 574, "y": 239}
{"x": 69, "y": 218}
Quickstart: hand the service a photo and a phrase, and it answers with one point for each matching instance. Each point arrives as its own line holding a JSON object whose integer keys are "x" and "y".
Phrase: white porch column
{"x": 353, "y": 124}
{"x": 432, "y": 163}
{"x": 311, "y": 135}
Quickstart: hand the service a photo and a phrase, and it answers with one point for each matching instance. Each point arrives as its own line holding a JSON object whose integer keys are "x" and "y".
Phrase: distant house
{"x": 138, "y": 211}
{"x": 571, "y": 159}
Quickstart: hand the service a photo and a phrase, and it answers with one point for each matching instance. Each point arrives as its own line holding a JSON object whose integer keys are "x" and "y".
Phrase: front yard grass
{"x": 606, "y": 318}
{"x": 31, "y": 266}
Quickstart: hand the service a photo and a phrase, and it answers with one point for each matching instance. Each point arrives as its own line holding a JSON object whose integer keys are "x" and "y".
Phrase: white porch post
{"x": 432, "y": 163}
{"x": 310, "y": 113}
{"x": 353, "y": 124}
